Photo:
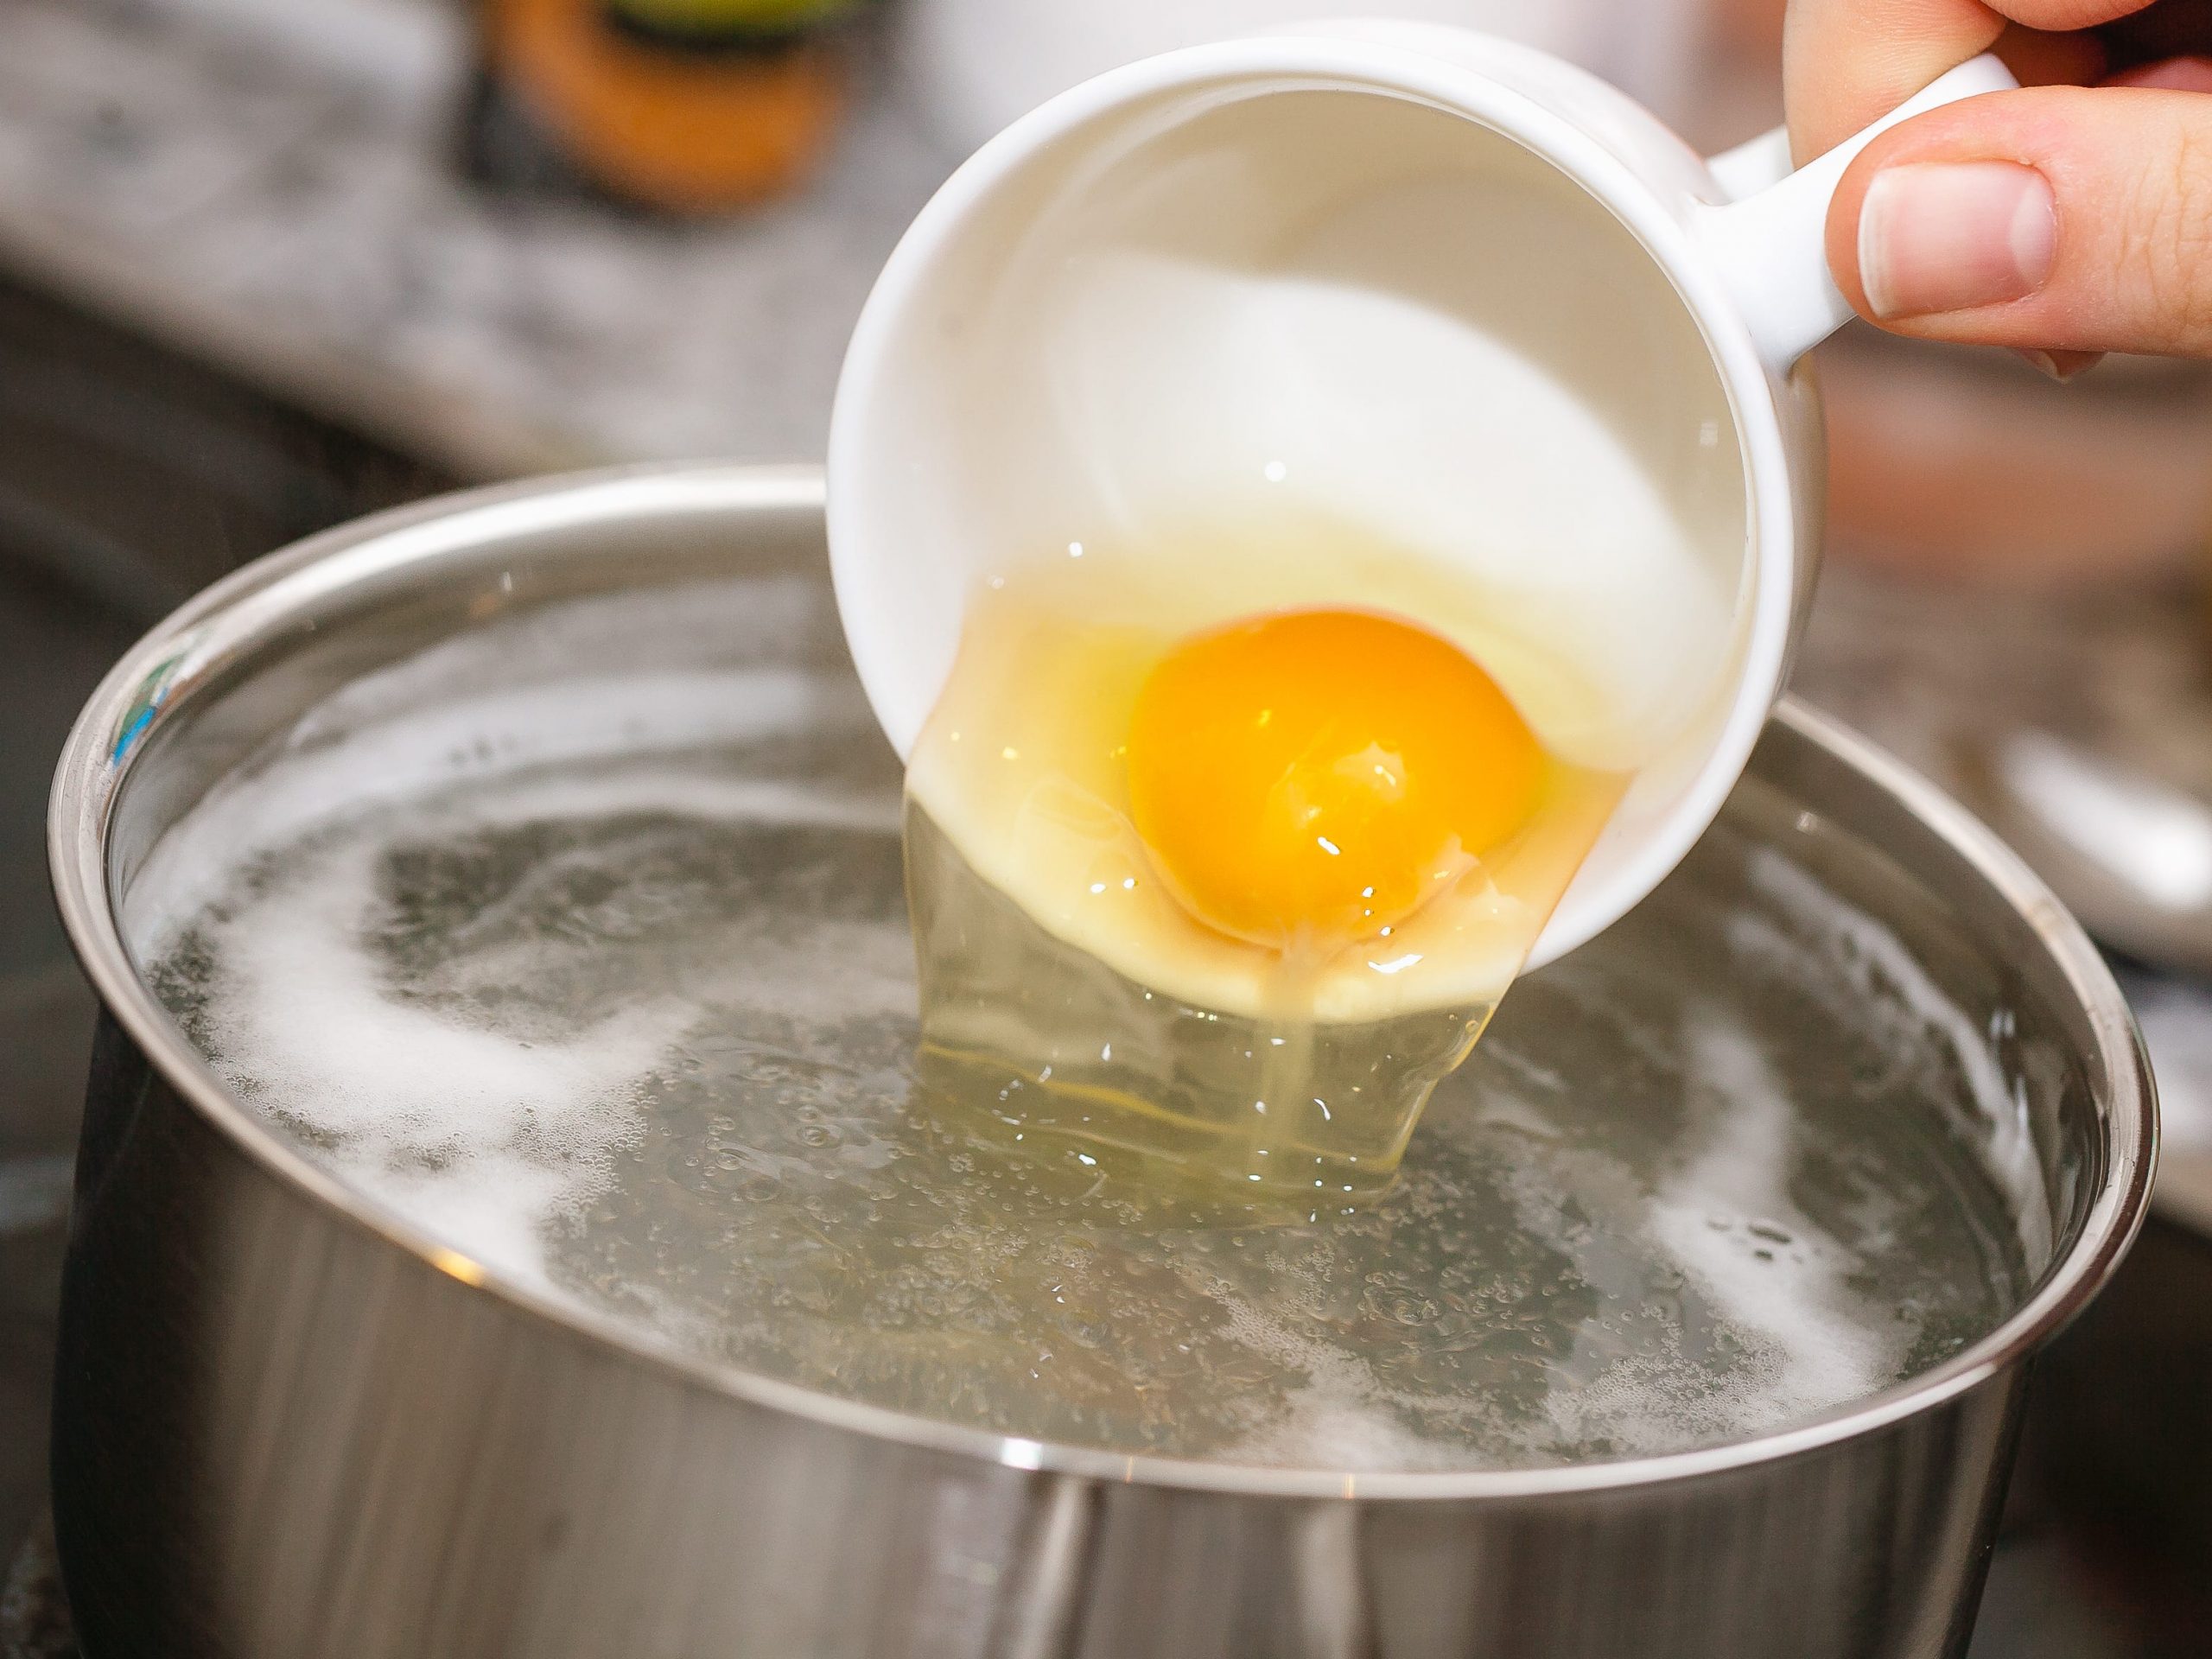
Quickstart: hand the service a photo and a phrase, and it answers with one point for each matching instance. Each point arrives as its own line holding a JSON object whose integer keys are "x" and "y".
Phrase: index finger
{"x": 1846, "y": 63}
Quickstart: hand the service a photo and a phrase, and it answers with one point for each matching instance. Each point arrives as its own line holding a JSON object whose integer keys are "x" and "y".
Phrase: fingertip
{"x": 1941, "y": 221}
{"x": 2061, "y": 366}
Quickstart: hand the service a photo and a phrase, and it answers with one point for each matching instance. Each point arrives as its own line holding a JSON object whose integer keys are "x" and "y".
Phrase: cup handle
{"x": 1769, "y": 243}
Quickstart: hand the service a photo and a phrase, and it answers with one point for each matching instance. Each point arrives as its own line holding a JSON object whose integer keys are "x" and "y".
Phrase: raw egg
{"x": 1244, "y": 883}
{"x": 1318, "y": 776}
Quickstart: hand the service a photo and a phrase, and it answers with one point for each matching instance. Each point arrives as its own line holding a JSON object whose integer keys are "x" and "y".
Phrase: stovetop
{"x": 130, "y": 476}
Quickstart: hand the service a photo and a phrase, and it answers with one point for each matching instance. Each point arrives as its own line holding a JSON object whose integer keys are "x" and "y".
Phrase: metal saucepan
{"x": 287, "y": 1424}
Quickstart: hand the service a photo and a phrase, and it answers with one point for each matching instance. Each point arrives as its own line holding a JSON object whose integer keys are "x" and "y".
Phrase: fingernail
{"x": 2060, "y": 367}
{"x": 1950, "y": 236}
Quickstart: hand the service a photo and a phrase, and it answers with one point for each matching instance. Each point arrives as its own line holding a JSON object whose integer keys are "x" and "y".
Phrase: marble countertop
{"x": 281, "y": 194}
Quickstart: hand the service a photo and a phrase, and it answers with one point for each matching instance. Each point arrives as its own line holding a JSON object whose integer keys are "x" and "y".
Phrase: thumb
{"x": 2057, "y": 218}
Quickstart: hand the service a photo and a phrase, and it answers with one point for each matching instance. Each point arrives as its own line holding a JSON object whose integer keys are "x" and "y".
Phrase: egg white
{"x": 1021, "y": 768}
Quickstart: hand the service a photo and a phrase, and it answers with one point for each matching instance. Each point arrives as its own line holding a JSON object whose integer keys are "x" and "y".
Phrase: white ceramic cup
{"x": 1648, "y": 308}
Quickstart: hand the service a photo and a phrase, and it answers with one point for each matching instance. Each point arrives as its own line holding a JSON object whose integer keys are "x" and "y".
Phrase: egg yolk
{"x": 1319, "y": 775}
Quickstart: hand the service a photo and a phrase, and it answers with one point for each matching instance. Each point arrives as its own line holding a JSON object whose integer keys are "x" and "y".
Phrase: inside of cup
{"x": 1236, "y": 317}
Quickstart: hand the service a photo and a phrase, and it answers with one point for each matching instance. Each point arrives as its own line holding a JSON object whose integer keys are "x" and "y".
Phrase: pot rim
{"x": 241, "y": 613}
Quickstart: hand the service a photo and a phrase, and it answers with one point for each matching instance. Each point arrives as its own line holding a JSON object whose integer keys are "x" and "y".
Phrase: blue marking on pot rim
{"x": 138, "y": 718}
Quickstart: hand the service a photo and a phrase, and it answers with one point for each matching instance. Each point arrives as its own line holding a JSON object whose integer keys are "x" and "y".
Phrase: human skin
{"x": 2068, "y": 218}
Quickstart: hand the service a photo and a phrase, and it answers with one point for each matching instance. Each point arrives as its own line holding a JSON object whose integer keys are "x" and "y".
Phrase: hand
{"x": 2071, "y": 218}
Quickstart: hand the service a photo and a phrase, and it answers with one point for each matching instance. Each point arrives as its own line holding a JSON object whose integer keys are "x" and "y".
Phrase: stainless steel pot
{"x": 288, "y": 1425}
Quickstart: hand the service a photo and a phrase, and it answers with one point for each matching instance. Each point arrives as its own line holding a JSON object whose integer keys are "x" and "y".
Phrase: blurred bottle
{"x": 979, "y": 63}
{"x": 688, "y": 106}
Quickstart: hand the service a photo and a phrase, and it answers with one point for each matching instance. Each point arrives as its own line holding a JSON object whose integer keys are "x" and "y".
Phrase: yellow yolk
{"x": 1318, "y": 776}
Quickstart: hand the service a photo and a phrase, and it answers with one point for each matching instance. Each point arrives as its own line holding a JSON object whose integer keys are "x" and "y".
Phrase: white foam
{"x": 475, "y": 1136}
{"x": 1339, "y": 1414}
{"x": 1870, "y": 977}
{"x": 1790, "y": 1300}
{"x": 1781, "y": 1333}
{"x": 479, "y": 1136}
{"x": 681, "y": 794}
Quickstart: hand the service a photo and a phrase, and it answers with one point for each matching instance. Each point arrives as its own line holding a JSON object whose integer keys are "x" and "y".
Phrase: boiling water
{"x": 609, "y": 986}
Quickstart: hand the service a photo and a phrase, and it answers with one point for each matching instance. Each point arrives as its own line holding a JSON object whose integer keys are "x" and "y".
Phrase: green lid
{"x": 709, "y": 18}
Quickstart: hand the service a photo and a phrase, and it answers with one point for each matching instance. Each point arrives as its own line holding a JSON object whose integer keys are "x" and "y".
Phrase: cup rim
{"x": 1385, "y": 67}
{"x": 265, "y": 602}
